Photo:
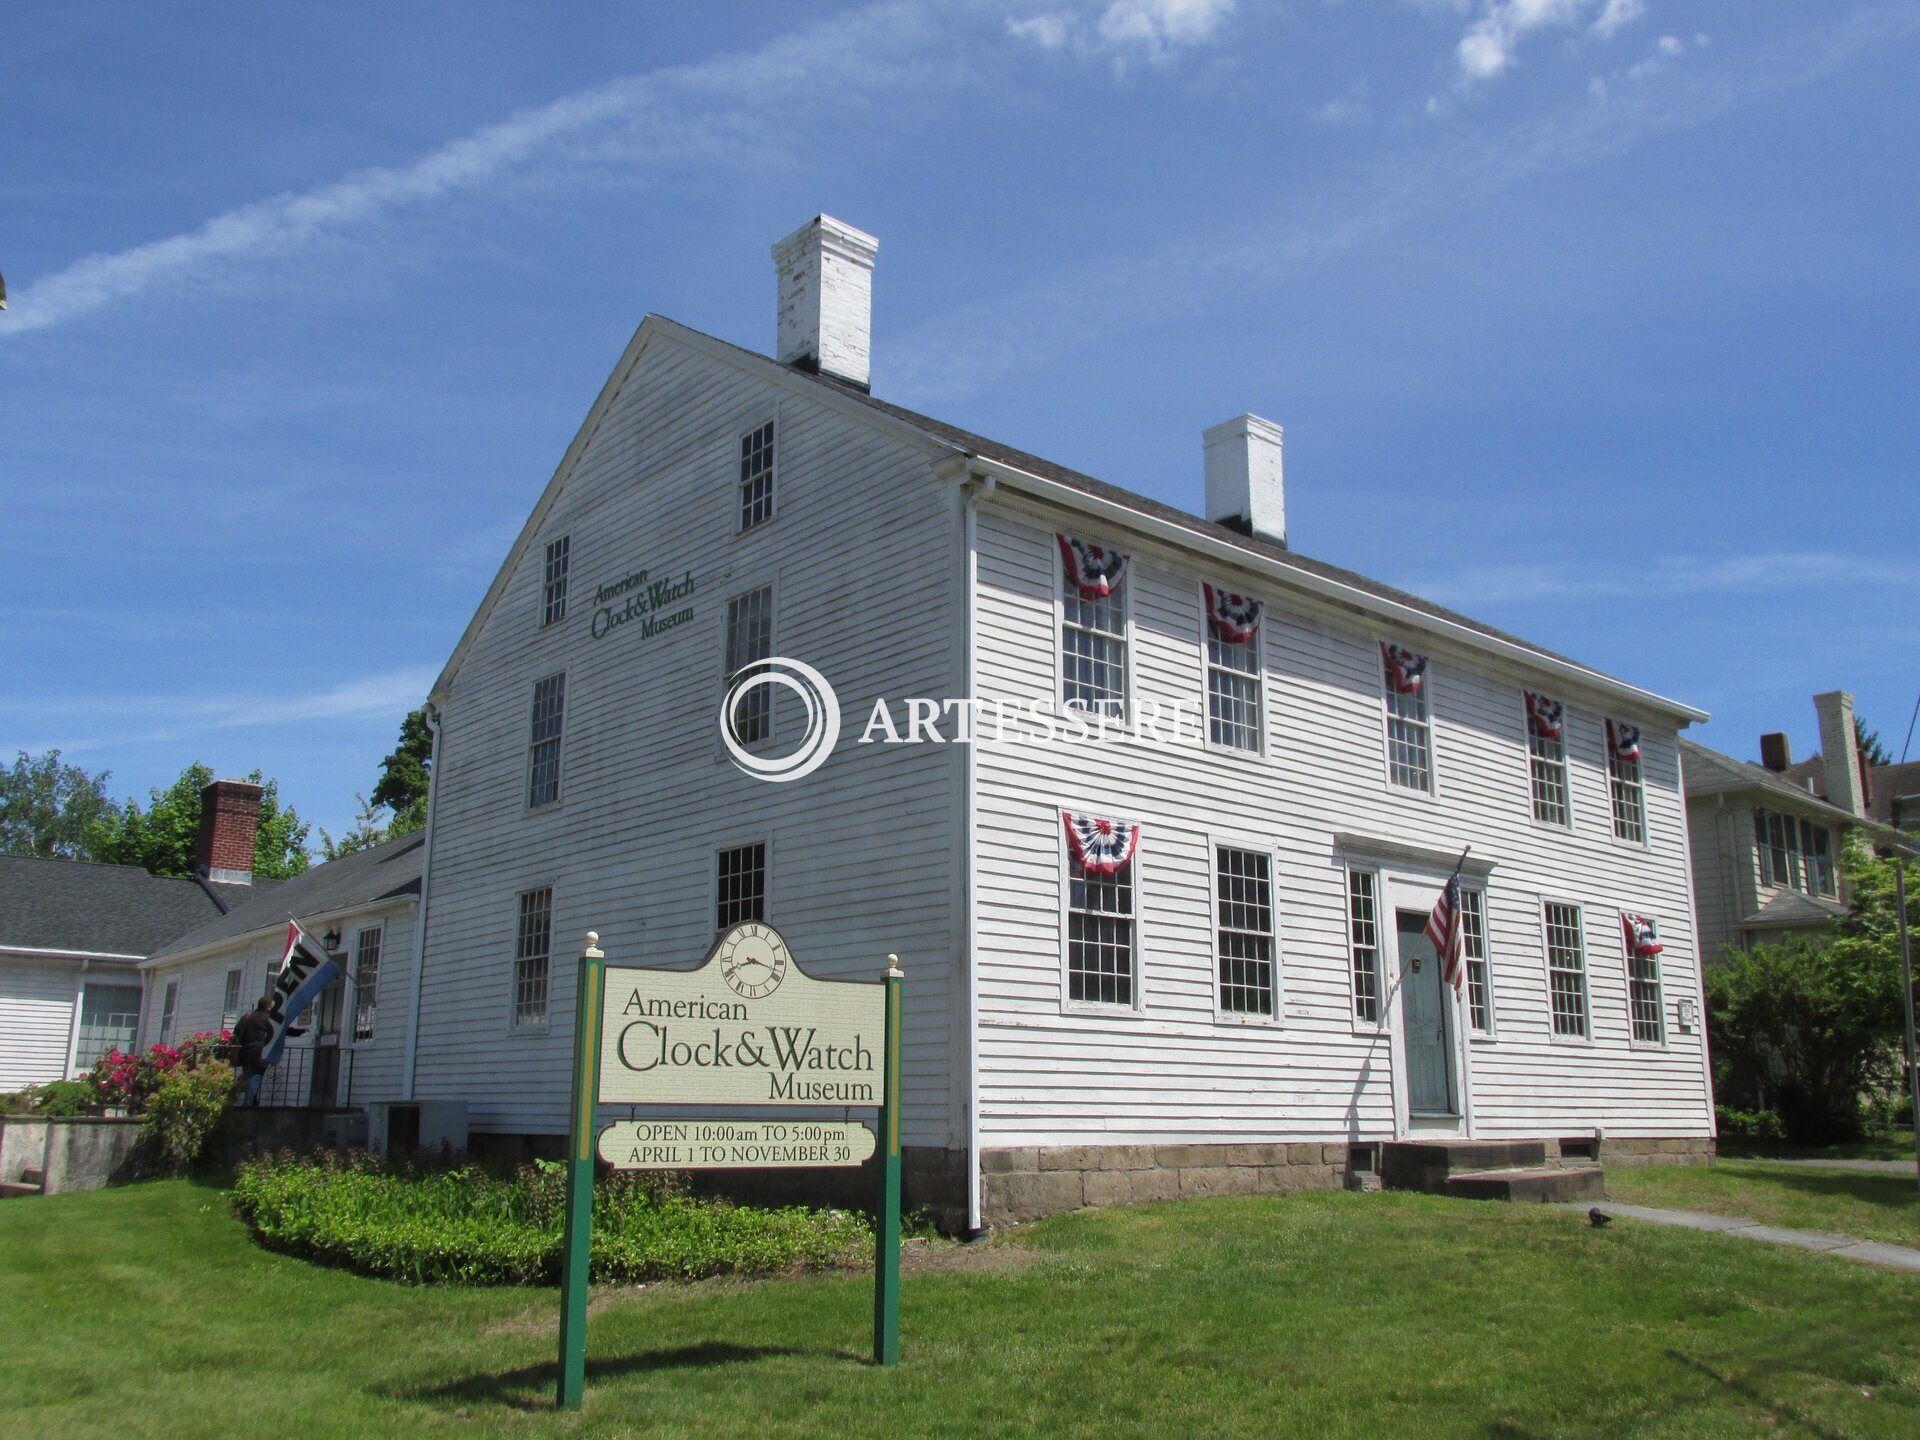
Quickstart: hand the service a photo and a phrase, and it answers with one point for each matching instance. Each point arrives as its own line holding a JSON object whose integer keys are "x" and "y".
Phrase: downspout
{"x": 410, "y": 1063}
{"x": 978, "y": 488}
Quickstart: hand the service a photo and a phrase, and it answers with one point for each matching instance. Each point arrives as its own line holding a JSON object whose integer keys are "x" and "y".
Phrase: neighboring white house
{"x": 362, "y": 908}
{"x": 1234, "y": 1006}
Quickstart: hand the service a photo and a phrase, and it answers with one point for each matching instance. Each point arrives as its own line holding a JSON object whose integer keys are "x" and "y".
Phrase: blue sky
{"x": 1593, "y": 318}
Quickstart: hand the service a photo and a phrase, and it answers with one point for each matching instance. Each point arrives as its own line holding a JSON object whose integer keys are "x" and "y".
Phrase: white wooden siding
{"x": 36, "y": 1019}
{"x": 1169, "y": 1072}
{"x": 863, "y": 556}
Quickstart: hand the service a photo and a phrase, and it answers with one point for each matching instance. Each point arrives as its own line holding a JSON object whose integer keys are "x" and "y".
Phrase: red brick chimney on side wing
{"x": 229, "y": 823}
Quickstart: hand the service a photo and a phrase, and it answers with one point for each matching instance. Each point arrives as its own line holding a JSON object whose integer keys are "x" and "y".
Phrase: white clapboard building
{"x": 1184, "y": 956}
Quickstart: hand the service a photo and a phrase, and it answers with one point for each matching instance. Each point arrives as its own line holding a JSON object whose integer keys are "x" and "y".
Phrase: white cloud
{"x": 1492, "y": 42}
{"x": 1126, "y": 30}
{"x": 1668, "y": 575}
{"x": 1350, "y": 109}
{"x": 1617, "y": 16}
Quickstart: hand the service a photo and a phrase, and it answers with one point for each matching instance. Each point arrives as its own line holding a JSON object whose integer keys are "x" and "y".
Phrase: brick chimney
{"x": 229, "y": 822}
{"x": 1246, "y": 489}
{"x": 826, "y": 299}
{"x": 1840, "y": 752}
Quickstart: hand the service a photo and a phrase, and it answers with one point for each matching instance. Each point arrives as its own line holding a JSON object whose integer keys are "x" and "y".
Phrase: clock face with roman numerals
{"x": 753, "y": 961}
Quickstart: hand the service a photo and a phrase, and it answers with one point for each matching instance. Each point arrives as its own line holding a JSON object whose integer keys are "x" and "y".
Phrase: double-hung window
{"x": 1093, "y": 650}
{"x": 740, "y": 885}
{"x": 1409, "y": 721}
{"x": 1795, "y": 853}
{"x": 543, "y": 741}
{"x": 169, "y": 1003}
{"x": 1363, "y": 915}
{"x": 554, "y": 598}
{"x": 1624, "y": 783}
{"x": 749, "y": 642}
{"x": 756, "y": 476}
{"x": 230, "y": 1000}
{"x": 532, "y": 956}
{"x": 1244, "y": 939}
{"x": 1547, "y": 759}
{"x": 1473, "y": 932}
{"x": 1100, "y": 935}
{"x": 366, "y": 981}
{"x": 1566, "y": 971}
{"x": 1233, "y": 673}
{"x": 1645, "y": 1006}
{"x": 109, "y": 1020}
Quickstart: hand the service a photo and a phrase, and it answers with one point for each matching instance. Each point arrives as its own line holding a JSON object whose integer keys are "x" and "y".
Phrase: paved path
{"x": 1870, "y": 1167}
{"x": 1871, "y": 1251}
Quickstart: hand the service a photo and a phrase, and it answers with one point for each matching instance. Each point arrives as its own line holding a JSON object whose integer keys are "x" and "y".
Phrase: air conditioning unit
{"x": 403, "y": 1125}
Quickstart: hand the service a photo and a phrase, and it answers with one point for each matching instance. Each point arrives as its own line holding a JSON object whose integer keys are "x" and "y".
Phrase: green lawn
{"x": 148, "y": 1311}
{"x": 1803, "y": 1197}
{"x": 1896, "y": 1146}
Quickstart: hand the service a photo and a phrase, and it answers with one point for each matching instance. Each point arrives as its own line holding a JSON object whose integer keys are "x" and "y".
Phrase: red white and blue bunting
{"x": 1623, "y": 740}
{"x": 1235, "y": 618}
{"x": 1643, "y": 935}
{"x": 1095, "y": 571}
{"x": 1406, "y": 671}
{"x": 1100, "y": 846}
{"x": 1546, "y": 718}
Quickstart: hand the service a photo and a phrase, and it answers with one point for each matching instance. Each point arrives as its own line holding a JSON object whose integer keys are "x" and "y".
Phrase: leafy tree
{"x": 1870, "y": 746}
{"x": 369, "y": 829}
{"x": 1806, "y": 1026}
{"x": 162, "y": 838}
{"x": 405, "y": 775}
{"x": 46, "y": 807}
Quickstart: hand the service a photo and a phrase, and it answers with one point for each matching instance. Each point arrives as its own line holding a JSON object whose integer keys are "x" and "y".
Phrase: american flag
{"x": 1443, "y": 929}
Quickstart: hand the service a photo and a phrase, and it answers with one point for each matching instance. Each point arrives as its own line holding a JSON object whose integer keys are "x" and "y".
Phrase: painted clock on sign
{"x": 753, "y": 961}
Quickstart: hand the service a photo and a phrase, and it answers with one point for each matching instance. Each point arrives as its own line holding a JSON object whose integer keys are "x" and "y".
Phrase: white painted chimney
{"x": 826, "y": 299}
{"x": 1840, "y": 752}
{"x": 1244, "y": 485}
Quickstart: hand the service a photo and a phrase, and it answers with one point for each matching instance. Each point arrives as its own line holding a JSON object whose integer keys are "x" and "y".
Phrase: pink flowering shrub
{"x": 128, "y": 1080}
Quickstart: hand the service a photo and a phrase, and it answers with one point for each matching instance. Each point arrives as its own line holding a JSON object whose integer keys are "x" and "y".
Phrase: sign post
{"x": 886, "y": 1238}
{"x": 580, "y": 1138}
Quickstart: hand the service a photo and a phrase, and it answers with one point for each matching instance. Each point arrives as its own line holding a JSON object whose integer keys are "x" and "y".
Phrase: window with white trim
{"x": 740, "y": 885}
{"x": 1409, "y": 736}
{"x": 1646, "y": 1009}
{"x": 1795, "y": 853}
{"x": 1100, "y": 935}
{"x": 1233, "y": 690}
{"x": 554, "y": 607}
{"x": 1473, "y": 932}
{"x": 1363, "y": 913}
{"x": 532, "y": 957}
{"x": 1547, "y": 770}
{"x": 543, "y": 741}
{"x": 109, "y": 1020}
{"x": 756, "y": 476}
{"x": 1093, "y": 651}
{"x": 230, "y": 1000}
{"x": 169, "y": 1002}
{"x": 366, "y": 980}
{"x": 1629, "y": 798}
{"x": 1244, "y": 938}
{"x": 749, "y": 642}
{"x": 1566, "y": 970}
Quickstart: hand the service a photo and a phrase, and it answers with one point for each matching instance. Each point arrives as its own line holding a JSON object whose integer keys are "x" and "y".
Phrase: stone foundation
{"x": 1025, "y": 1183}
{"x": 1626, "y": 1151}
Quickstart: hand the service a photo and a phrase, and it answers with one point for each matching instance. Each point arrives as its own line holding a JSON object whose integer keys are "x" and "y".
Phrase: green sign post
{"x": 748, "y": 1027}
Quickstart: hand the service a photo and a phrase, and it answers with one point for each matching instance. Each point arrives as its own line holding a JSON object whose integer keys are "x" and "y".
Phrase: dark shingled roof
{"x": 1885, "y": 784}
{"x": 1708, "y": 772}
{"x": 1790, "y": 909}
{"x": 104, "y": 909}
{"x": 363, "y": 878}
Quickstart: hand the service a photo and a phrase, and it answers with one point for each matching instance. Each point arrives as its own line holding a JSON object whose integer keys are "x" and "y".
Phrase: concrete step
{"x": 11, "y": 1189}
{"x": 1546, "y": 1187}
{"x": 1427, "y": 1164}
{"x": 33, "y": 1177}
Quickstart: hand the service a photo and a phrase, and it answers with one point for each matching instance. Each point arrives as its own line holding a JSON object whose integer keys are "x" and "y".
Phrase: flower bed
{"x": 465, "y": 1226}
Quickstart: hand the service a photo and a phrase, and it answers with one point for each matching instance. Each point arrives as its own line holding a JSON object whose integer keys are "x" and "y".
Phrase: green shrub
{"x": 464, "y": 1226}
{"x": 185, "y": 1114}
{"x": 56, "y": 1099}
{"x": 1748, "y": 1124}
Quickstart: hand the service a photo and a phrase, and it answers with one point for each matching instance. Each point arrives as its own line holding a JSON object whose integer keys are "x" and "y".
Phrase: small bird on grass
{"x": 1599, "y": 1218}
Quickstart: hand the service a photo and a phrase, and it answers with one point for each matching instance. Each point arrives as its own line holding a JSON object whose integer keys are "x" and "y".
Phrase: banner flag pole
{"x": 886, "y": 1239}
{"x": 579, "y": 1230}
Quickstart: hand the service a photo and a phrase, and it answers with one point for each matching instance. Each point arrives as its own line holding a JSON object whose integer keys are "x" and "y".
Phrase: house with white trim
{"x": 1163, "y": 930}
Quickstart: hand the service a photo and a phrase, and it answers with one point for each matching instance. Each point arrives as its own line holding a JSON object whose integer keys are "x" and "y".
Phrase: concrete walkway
{"x": 1872, "y": 1252}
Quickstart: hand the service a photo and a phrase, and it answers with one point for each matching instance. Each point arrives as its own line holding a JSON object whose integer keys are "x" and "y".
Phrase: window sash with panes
{"x": 1645, "y": 1008}
{"x": 1795, "y": 853}
{"x": 1244, "y": 884}
{"x": 555, "y": 608}
{"x": 230, "y": 1001}
{"x": 1233, "y": 691}
{"x": 169, "y": 1002}
{"x": 750, "y": 641}
{"x": 1473, "y": 932}
{"x": 1629, "y": 800}
{"x": 366, "y": 981}
{"x": 756, "y": 476}
{"x": 740, "y": 885}
{"x": 1409, "y": 739}
{"x": 1547, "y": 767}
{"x": 1093, "y": 652}
{"x": 1100, "y": 944}
{"x": 543, "y": 742}
{"x": 109, "y": 1020}
{"x": 1363, "y": 912}
{"x": 532, "y": 954}
{"x": 1566, "y": 971}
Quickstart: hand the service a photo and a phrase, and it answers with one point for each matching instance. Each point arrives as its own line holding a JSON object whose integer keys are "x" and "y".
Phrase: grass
{"x": 147, "y": 1311}
{"x": 1897, "y": 1145}
{"x": 1801, "y": 1197}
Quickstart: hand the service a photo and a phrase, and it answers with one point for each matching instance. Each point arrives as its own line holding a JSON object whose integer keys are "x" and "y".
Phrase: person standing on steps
{"x": 250, "y": 1039}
